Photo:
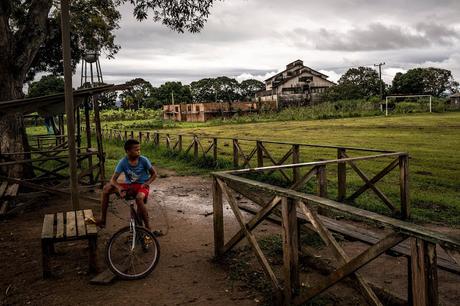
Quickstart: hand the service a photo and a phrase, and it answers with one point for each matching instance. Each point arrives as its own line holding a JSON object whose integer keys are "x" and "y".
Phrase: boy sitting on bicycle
{"x": 139, "y": 174}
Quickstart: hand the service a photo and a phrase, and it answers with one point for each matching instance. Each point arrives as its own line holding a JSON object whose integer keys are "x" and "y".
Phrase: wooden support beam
{"x": 295, "y": 160}
{"x": 352, "y": 266}
{"x": 341, "y": 176}
{"x": 338, "y": 251}
{"x": 424, "y": 278}
{"x": 250, "y": 237}
{"x": 321, "y": 181}
{"x": 214, "y": 149}
{"x": 260, "y": 154}
{"x": 404, "y": 186}
{"x": 218, "y": 218}
{"x": 195, "y": 148}
{"x": 235, "y": 153}
{"x": 374, "y": 180}
{"x": 290, "y": 249}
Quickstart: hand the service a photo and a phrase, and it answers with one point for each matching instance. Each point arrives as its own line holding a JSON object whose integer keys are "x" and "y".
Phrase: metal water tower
{"x": 93, "y": 76}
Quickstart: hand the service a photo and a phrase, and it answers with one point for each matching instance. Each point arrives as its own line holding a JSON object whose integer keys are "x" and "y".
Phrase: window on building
{"x": 189, "y": 108}
{"x": 197, "y": 108}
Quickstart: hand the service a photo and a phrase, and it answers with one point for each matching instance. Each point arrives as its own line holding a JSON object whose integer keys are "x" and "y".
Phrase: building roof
{"x": 312, "y": 71}
{"x": 54, "y": 104}
{"x": 455, "y": 95}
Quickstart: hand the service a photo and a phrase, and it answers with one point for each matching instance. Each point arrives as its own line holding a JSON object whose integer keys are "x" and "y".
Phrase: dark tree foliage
{"x": 356, "y": 83}
{"x": 248, "y": 88}
{"x": 434, "y": 81}
{"x": 165, "y": 93}
{"x": 47, "y": 85}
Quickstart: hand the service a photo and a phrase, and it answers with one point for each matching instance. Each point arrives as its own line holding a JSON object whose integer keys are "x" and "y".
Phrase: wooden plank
{"x": 81, "y": 228}
{"x": 91, "y": 228}
{"x": 290, "y": 249}
{"x": 352, "y": 266}
{"x": 341, "y": 176}
{"x": 3, "y": 188}
{"x": 48, "y": 227}
{"x": 424, "y": 282}
{"x": 218, "y": 218}
{"x": 3, "y": 207}
{"x": 235, "y": 153}
{"x": 404, "y": 186}
{"x": 374, "y": 180}
{"x": 295, "y": 160}
{"x": 321, "y": 181}
{"x": 338, "y": 252}
{"x": 376, "y": 190}
{"x": 251, "y": 238}
{"x": 455, "y": 255}
{"x": 60, "y": 225}
{"x": 256, "y": 220}
{"x": 71, "y": 227}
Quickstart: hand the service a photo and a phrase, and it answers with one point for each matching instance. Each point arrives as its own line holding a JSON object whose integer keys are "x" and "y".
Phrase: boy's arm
{"x": 113, "y": 181}
{"x": 153, "y": 176}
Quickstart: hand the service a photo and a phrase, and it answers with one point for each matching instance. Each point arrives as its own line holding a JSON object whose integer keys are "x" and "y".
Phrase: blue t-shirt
{"x": 135, "y": 174}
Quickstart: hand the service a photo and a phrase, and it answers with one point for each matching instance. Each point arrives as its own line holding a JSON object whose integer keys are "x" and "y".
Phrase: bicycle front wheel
{"x": 132, "y": 254}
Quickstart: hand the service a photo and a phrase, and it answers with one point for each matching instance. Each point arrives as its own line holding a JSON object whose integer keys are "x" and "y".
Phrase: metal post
{"x": 386, "y": 106}
{"x": 69, "y": 108}
{"x": 430, "y": 104}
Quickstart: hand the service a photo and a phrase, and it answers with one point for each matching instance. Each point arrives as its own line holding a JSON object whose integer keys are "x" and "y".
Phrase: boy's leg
{"x": 142, "y": 210}
{"x": 106, "y": 192}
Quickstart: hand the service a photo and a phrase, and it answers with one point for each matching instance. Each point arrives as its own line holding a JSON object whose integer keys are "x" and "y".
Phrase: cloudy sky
{"x": 257, "y": 38}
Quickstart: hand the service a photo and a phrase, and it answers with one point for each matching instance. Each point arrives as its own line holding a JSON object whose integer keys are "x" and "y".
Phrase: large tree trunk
{"x": 18, "y": 48}
{"x": 13, "y": 136}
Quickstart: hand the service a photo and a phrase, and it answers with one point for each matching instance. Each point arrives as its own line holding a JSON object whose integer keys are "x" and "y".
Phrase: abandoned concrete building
{"x": 296, "y": 85}
{"x": 205, "y": 111}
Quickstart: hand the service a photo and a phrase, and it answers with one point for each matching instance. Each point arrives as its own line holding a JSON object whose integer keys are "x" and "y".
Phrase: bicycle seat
{"x": 130, "y": 197}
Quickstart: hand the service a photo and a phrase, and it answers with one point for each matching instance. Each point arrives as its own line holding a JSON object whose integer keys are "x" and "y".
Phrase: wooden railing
{"x": 249, "y": 153}
{"x": 419, "y": 242}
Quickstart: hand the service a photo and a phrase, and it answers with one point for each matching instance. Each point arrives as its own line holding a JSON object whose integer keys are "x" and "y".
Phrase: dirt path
{"x": 179, "y": 206}
{"x": 185, "y": 275}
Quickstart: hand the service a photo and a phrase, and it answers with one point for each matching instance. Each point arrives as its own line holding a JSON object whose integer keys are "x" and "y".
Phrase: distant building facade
{"x": 200, "y": 112}
{"x": 296, "y": 85}
{"x": 455, "y": 100}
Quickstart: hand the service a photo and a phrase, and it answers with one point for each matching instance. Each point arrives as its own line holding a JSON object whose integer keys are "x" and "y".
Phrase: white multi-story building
{"x": 296, "y": 85}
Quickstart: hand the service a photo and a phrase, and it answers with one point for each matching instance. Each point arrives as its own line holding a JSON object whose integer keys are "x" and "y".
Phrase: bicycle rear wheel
{"x": 132, "y": 254}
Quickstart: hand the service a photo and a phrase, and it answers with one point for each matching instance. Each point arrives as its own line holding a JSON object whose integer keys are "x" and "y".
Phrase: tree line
{"x": 143, "y": 94}
{"x": 364, "y": 83}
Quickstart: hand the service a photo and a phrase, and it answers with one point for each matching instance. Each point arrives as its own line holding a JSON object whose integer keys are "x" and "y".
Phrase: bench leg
{"x": 92, "y": 243}
{"x": 46, "y": 259}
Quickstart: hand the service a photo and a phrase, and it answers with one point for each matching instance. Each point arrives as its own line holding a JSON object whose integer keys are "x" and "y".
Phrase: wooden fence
{"x": 256, "y": 153}
{"x": 292, "y": 206}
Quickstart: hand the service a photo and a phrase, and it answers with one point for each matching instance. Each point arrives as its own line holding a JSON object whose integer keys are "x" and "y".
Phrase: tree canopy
{"x": 224, "y": 89}
{"x": 47, "y": 85}
{"x": 434, "y": 81}
{"x": 356, "y": 83}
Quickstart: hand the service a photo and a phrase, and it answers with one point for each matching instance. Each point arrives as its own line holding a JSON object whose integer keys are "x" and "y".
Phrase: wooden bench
{"x": 68, "y": 226}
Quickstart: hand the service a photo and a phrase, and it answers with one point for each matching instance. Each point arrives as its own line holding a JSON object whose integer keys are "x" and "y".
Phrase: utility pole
{"x": 380, "y": 77}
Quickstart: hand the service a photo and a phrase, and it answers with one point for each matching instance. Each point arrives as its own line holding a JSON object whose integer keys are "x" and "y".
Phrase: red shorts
{"x": 135, "y": 188}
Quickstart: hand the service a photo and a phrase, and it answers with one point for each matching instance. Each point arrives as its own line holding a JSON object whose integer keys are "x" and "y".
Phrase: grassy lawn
{"x": 432, "y": 140}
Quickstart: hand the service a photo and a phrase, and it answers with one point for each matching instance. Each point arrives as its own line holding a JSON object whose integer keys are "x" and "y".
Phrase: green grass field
{"x": 432, "y": 140}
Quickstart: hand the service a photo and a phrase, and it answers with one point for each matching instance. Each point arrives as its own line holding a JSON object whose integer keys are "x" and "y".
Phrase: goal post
{"x": 406, "y": 96}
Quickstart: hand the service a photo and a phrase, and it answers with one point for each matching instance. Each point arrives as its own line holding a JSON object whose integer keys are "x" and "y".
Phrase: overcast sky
{"x": 257, "y": 38}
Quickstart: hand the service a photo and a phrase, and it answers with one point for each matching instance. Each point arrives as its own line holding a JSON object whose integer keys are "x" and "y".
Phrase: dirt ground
{"x": 179, "y": 206}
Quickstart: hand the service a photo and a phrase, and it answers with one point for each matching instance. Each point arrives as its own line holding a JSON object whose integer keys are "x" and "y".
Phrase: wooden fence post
{"x": 341, "y": 176}
{"x": 132, "y": 135}
{"x": 147, "y": 136}
{"x": 260, "y": 154}
{"x": 126, "y": 135}
{"x": 290, "y": 249}
{"x": 235, "y": 153}
{"x": 295, "y": 160}
{"x": 168, "y": 142}
{"x": 424, "y": 278}
{"x": 321, "y": 181}
{"x": 140, "y": 137}
{"x": 156, "y": 140}
{"x": 218, "y": 218}
{"x": 214, "y": 150}
{"x": 180, "y": 143}
{"x": 195, "y": 147}
{"x": 404, "y": 185}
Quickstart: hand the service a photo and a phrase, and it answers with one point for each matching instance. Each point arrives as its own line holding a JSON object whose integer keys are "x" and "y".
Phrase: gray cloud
{"x": 377, "y": 36}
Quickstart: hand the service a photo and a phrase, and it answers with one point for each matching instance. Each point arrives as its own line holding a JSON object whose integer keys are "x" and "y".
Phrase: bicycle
{"x": 133, "y": 251}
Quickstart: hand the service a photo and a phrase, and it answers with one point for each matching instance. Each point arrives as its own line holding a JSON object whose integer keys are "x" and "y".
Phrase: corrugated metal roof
{"x": 55, "y": 101}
